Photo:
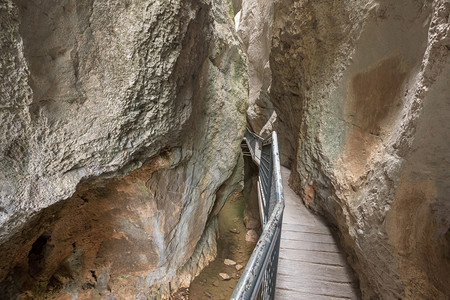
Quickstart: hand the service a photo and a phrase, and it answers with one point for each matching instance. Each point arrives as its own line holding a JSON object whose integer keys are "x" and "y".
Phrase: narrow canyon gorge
{"x": 121, "y": 125}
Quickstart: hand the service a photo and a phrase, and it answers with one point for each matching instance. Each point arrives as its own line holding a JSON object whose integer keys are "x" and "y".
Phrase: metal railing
{"x": 259, "y": 277}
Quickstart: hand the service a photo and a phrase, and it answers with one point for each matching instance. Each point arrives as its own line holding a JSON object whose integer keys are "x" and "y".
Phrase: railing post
{"x": 277, "y": 168}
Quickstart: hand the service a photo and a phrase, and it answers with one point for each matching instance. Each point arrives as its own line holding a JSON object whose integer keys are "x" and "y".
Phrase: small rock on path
{"x": 251, "y": 236}
{"x": 229, "y": 262}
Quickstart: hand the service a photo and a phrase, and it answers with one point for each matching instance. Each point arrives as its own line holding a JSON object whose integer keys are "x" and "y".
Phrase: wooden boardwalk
{"x": 310, "y": 265}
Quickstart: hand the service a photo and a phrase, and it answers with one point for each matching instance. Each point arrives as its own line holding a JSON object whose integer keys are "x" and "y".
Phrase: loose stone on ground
{"x": 251, "y": 236}
{"x": 229, "y": 262}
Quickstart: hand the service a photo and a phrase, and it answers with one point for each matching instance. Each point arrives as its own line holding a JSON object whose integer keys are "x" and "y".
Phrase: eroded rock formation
{"x": 361, "y": 90}
{"x": 120, "y": 121}
{"x": 255, "y": 30}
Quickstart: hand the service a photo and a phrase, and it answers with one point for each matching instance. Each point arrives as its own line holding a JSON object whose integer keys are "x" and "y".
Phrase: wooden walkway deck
{"x": 310, "y": 265}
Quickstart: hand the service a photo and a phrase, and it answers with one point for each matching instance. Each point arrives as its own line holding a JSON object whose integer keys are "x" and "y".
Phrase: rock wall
{"x": 121, "y": 120}
{"x": 255, "y": 30}
{"x": 361, "y": 90}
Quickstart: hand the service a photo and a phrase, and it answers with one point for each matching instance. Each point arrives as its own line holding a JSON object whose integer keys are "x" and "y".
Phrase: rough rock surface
{"x": 255, "y": 30}
{"x": 251, "y": 212}
{"x": 114, "y": 116}
{"x": 361, "y": 90}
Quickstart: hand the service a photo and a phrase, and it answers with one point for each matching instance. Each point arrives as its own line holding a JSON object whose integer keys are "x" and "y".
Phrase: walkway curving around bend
{"x": 310, "y": 266}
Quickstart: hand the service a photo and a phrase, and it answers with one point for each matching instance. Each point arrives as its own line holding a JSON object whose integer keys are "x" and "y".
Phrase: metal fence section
{"x": 260, "y": 275}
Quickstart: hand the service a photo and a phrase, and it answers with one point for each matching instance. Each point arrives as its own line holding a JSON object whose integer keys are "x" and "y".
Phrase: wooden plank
{"x": 284, "y": 294}
{"x": 305, "y": 228}
{"x": 308, "y": 245}
{"x": 299, "y": 220}
{"x": 316, "y": 287}
{"x": 306, "y": 236}
{"x": 303, "y": 215}
{"x": 314, "y": 271}
{"x": 330, "y": 258}
{"x": 296, "y": 217}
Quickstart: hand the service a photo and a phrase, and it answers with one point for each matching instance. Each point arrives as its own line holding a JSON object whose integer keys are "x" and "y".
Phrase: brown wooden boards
{"x": 311, "y": 266}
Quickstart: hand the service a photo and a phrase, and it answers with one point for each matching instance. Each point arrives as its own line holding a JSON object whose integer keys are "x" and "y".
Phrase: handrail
{"x": 258, "y": 279}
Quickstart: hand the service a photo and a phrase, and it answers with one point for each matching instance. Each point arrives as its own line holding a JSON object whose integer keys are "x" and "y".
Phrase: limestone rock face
{"x": 255, "y": 30}
{"x": 120, "y": 120}
{"x": 361, "y": 90}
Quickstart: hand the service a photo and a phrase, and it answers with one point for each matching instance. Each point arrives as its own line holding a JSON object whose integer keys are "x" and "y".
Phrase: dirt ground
{"x": 231, "y": 245}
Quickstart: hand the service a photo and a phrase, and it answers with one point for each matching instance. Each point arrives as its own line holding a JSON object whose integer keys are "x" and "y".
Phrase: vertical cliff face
{"x": 120, "y": 122}
{"x": 255, "y": 30}
{"x": 361, "y": 93}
